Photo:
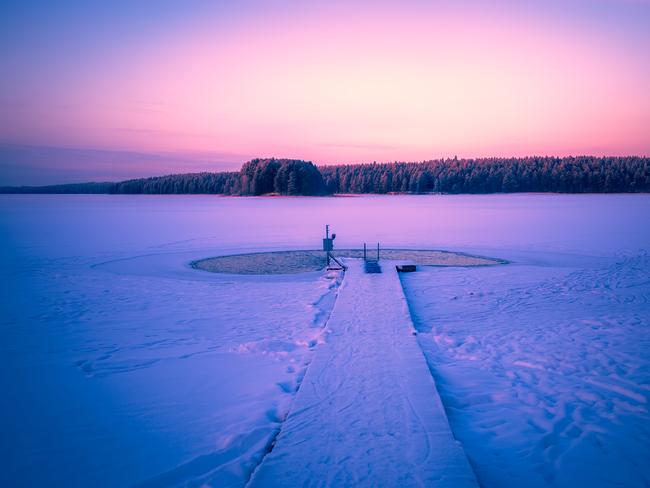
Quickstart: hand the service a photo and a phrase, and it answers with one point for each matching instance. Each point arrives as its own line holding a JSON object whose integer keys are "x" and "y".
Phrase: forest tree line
{"x": 584, "y": 174}
{"x": 494, "y": 175}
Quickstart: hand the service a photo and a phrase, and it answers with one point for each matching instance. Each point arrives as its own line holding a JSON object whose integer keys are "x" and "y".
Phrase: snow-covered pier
{"x": 367, "y": 412}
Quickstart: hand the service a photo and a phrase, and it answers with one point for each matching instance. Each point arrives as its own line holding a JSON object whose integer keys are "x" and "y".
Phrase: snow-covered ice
{"x": 543, "y": 367}
{"x": 110, "y": 379}
{"x": 122, "y": 365}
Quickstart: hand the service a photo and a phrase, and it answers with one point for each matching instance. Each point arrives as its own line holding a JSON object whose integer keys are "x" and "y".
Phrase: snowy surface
{"x": 140, "y": 369}
{"x": 115, "y": 378}
{"x": 122, "y": 365}
{"x": 367, "y": 412}
{"x": 544, "y": 367}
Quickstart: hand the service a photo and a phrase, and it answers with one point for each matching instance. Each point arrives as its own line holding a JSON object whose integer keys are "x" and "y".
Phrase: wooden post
{"x": 364, "y": 251}
{"x": 377, "y": 251}
{"x": 327, "y": 236}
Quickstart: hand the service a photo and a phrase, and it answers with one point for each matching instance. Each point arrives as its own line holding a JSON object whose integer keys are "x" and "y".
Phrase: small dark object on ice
{"x": 406, "y": 268}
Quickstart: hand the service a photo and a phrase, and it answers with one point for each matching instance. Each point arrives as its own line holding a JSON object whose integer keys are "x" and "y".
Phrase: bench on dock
{"x": 406, "y": 268}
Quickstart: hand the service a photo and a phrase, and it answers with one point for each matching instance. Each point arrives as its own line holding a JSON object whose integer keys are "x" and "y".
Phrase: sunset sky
{"x": 111, "y": 90}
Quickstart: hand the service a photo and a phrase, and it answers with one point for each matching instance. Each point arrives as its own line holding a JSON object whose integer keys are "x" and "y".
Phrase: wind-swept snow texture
{"x": 121, "y": 365}
{"x": 367, "y": 412}
{"x": 543, "y": 367}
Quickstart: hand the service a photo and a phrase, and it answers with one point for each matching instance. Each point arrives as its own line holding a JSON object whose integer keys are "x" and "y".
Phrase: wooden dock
{"x": 367, "y": 412}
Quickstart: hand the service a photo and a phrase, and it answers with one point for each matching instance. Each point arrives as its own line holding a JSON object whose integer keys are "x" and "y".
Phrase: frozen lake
{"x": 122, "y": 365}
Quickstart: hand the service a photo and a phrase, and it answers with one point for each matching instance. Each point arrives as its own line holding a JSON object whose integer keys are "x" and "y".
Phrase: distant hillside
{"x": 583, "y": 174}
{"x": 69, "y": 188}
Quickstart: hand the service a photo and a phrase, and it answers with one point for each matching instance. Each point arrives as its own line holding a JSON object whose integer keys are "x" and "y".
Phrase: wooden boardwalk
{"x": 367, "y": 412}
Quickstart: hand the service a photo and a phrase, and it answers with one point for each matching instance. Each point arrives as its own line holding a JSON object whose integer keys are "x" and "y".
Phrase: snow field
{"x": 144, "y": 371}
{"x": 544, "y": 371}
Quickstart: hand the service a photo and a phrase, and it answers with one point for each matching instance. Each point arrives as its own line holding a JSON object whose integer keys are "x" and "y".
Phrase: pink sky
{"x": 381, "y": 81}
